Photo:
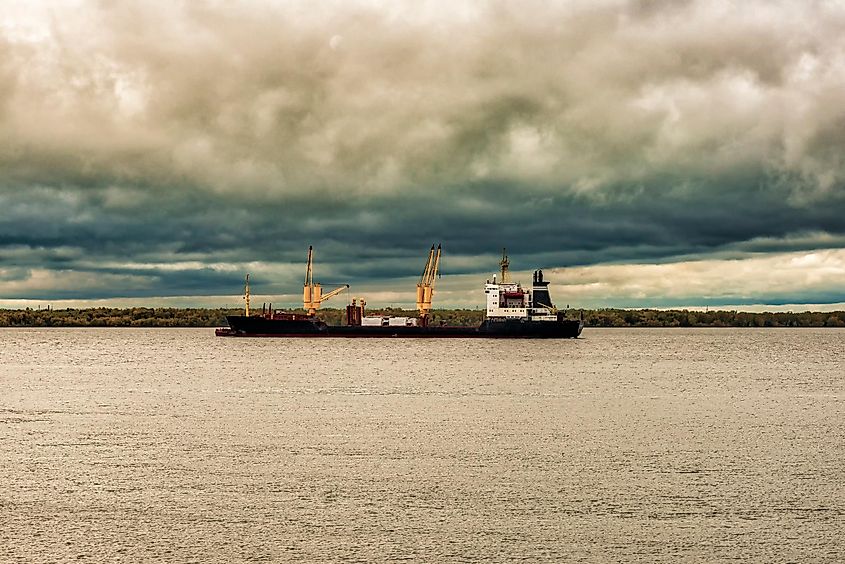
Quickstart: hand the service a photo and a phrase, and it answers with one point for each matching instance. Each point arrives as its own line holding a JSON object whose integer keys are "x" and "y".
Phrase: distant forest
{"x": 193, "y": 317}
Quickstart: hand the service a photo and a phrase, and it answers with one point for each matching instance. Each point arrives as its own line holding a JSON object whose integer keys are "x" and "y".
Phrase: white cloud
{"x": 714, "y": 281}
{"x": 688, "y": 284}
{"x": 288, "y": 97}
{"x": 45, "y": 280}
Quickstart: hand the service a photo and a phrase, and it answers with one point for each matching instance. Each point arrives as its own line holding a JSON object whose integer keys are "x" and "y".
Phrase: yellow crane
{"x": 425, "y": 287}
{"x": 312, "y": 294}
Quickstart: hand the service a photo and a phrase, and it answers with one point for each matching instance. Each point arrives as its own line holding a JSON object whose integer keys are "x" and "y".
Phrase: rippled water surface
{"x": 625, "y": 445}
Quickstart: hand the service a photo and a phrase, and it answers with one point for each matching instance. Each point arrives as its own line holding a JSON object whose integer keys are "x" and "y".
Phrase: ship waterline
{"x": 260, "y": 326}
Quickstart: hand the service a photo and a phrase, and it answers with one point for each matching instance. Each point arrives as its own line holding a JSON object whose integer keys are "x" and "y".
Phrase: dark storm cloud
{"x": 188, "y": 137}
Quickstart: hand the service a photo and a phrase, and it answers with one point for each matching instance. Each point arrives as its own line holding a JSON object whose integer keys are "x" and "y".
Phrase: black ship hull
{"x": 260, "y": 326}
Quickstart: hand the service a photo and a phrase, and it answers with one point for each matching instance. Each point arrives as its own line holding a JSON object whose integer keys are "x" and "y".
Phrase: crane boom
{"x": 334, "y": 292}
{"x": 309, "y": 274}
{"x": 435, "y": 270}
{"x": 425, "y": 274}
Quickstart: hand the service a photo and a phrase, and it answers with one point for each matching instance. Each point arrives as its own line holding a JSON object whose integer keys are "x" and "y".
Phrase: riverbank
{"x": 201, "y": 317}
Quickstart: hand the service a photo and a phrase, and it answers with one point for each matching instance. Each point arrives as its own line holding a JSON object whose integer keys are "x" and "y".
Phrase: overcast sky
{"x": 643, "y": 153}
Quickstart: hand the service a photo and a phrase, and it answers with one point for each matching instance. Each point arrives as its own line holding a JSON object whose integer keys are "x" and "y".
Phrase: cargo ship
{"x": 512, "y": 311}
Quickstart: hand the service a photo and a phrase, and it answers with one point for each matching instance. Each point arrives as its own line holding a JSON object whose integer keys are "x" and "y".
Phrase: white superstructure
{"x": 509, "y": 300}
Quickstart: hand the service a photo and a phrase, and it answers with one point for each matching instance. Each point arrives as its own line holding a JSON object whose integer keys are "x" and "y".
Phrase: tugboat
{"x": 512, "y": 312}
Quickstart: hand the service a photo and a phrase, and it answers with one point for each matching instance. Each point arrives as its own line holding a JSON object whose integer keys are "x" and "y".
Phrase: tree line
{"x": 202, "y": 317}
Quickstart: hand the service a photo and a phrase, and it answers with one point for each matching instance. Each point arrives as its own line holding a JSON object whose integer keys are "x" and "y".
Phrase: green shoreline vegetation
{"x": 199, "y": 317}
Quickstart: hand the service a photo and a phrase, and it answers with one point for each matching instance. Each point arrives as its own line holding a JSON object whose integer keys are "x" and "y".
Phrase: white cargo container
{"x": 402, "y": 321}
{"x": 373, "y": 321}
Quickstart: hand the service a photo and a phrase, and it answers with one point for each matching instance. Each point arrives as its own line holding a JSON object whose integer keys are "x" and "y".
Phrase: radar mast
{"x": 246, "y": 296}
{"x": 504, "y": 263}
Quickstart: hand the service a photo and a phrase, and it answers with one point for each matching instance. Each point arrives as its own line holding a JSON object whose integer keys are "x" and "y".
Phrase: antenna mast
{"x": 246, "y": 296}
{"x": 504, "y": 263}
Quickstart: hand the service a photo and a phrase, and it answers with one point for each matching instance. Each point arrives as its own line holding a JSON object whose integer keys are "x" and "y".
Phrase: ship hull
{"x": 254, "y": 326}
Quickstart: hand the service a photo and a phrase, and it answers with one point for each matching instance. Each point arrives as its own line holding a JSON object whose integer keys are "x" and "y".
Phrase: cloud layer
{"x": 161, "y": 148}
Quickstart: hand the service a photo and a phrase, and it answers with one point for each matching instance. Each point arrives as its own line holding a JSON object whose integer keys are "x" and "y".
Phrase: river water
{"x": 666, "y": 445}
